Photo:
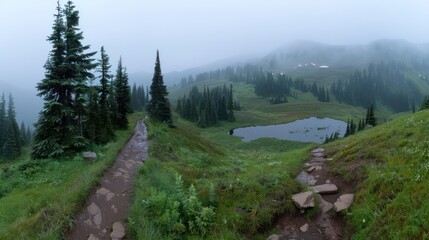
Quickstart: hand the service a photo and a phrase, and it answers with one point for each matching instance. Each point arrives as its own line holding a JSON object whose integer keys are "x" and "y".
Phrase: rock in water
{"x": 328, "y": 188}
{"x": 303, "y": 200}
{"x": 343, "y": 202}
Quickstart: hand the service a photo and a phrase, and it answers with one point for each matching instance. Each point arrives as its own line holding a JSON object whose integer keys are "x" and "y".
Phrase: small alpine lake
{"x": 305, "y": 130}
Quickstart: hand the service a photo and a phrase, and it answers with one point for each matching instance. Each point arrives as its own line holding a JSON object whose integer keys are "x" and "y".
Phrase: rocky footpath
{"x": 106, "y": 209}
{"x": 329, "y": 194}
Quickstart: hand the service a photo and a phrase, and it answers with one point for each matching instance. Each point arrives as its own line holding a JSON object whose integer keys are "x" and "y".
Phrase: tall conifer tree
{"x": 60, "y": 126}
{"x": 159, "y": 106}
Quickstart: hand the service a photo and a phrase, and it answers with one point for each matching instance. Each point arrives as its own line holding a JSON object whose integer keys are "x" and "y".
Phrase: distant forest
{"x": 208, "y": 107}
{"x": 380, "y": 83}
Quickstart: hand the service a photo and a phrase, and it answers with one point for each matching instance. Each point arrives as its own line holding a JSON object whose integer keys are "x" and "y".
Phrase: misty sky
{"x": 190, "y": 33}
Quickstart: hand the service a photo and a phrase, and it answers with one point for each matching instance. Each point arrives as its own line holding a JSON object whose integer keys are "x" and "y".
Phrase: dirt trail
{"x": 106, "y": 209}
{"x": 321, "y": 224}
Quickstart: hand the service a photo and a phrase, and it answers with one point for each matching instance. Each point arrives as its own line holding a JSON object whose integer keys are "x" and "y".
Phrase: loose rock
{"x": 328, "y": 188}
{"x": 306, "y": 178}
{"x": 304, "y": 228}
{"x": 324, "y": 205}
{"x": 343, "y": 202}
{"x": 92, "y": 237}
{"x": 303, "y": 200}
{"x": 89, "y": 156}
{"x": 118, "y": 231}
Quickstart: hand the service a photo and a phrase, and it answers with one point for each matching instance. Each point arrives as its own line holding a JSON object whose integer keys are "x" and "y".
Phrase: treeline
{"x": 208, "y": 107}
{"x": 276, "y": 87}
{"x": 78, "y": 111}
{"x": 383, "y": 82}
{"x": 12, "y": 138}
{"x": 139, "y": 98}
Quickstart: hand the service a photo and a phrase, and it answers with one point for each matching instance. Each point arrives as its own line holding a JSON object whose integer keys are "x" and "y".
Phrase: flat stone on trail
{"x": 318, "y": 154}
{"x": 103, "y": 191}
{"x": 276, "y": 237}
{"x": 92, "y": 237}
{"x": 310, "y": 169}
{"x": 318, "y": 150}
{"x": 304, "y": 228}
{"x": 118, "y": 231}
{"x": 327, "y": 188}
{"x": 324, "y": 205}
{"x": 343, "y": 202}
{"x": 93, "y": 209}
{"x": 318, "y": 159}
{"x": 95, "y": 213}
{"x": 109, "y": 196}
{"x": 305, "y": 178}
{"x": 303, "y": 200}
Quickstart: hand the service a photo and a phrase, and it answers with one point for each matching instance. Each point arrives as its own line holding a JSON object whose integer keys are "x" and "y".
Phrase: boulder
{"x": 324, "y": 205}
{"x": 327, "y": 188}
{"x": 90, "y": 156}
{"x": 343, "y": 202}
{"x": 303, "y": 200}
{"x": 304, "y": 228}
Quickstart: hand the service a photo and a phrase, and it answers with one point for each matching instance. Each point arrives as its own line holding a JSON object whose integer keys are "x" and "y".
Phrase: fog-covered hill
{"x": 27, "y": 104}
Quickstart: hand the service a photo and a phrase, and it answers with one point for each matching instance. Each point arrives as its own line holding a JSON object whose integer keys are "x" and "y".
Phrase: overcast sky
{"x": 190, "y": 33}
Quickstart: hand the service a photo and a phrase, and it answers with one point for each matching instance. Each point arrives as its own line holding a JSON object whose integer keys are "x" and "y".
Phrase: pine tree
{"x": 159, "y": 106}
{"x": 2, "y": 120}
{"x": 371, "y": 120}
{"x": 231, "y": 116}
{"x": 122, "y": 97}
{"x": 60, "y": 127}
{"x": 12, "y": 145}
{"x": 104, "y": 126}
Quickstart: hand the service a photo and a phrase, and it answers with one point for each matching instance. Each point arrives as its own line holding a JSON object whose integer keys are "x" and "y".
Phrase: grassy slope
{"x": 393, "y": 159}
{"x": 253, "y": 181}
{"x": 41, "y": 197}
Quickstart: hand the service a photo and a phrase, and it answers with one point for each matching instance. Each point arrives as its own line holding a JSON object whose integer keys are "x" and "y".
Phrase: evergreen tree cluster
{"x": 139, "y": 98}
{"x": 77, "y": 111}
{"x": 12, "y": 138}
{"x": 382, "y": 82}
{"x": 208, "y": 107}
{"x": 370, "y": 119}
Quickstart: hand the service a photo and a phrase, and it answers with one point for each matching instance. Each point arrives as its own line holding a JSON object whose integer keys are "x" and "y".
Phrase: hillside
{"x": 389, "y": 163}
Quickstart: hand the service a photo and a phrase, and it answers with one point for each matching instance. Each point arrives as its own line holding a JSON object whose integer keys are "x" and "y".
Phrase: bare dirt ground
{"x": 106, "y": 209}
{"x": 321, "y": 225}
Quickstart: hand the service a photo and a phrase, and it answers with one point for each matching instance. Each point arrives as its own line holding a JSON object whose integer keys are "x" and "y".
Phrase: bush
{"x": 179, "y": 213}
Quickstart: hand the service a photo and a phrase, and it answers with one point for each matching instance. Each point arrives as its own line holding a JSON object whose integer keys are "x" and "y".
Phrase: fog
{"x": 191, "y": 33}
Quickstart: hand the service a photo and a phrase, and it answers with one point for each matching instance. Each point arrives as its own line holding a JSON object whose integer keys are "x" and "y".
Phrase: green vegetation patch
{"x": 38, "y": 198}
{"x": 246, "y": 187}
{"x": 391, "y": 199}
